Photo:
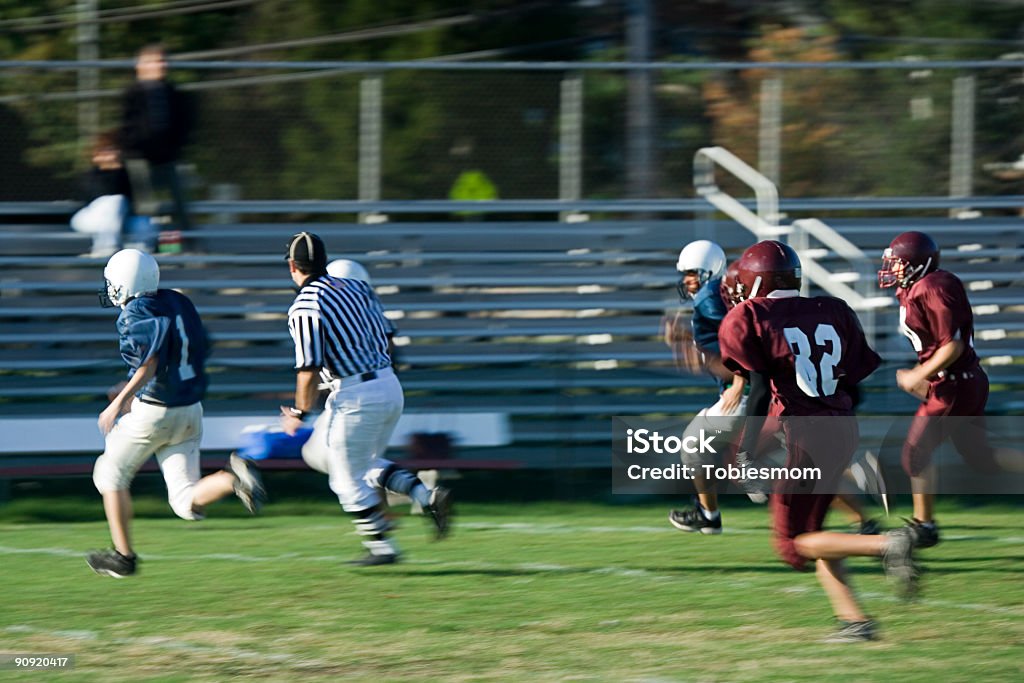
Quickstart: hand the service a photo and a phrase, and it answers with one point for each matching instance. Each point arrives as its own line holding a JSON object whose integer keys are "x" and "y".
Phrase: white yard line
{"x": 223, "y": 557}
{"x": 168, "y": 643}
{"x": 295, "y": 557}
{"x": 525, "y": 567}
{"x": 535, "y": 528}
{"x": 532, "y": 528}
{"x": 931, "y": 602}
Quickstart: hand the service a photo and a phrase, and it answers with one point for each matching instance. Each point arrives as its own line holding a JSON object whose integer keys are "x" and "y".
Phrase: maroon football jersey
{"x": 935, "y": 311}
{"x": 805, "y": 346}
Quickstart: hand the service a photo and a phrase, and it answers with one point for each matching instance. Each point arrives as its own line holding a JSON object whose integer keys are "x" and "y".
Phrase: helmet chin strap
{"x": 757, "y": 286}
{"x": 912, "y": 275}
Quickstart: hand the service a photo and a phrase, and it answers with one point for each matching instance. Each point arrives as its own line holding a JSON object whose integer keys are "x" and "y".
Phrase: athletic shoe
{"x": 758, "y": 497}
{"x": 112, "y": 563}
{"x": 248, "y": 483}
{"x": 853, "y": 632}
{"x": 898, "y": 561}
{"x": 869, "y": 527}
{"x": 694, "y": 521}
{"x": 756, "y": 489}
{"x": 927, "y": 535}
{"x": 440, "y": 511}
{"x": 373, "y": 560}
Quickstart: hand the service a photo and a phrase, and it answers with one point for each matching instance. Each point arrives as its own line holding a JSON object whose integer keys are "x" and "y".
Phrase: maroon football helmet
{"x": 909, "y": 257}
{"x": 766, "y": 267}
{"x": 728, "y": 288}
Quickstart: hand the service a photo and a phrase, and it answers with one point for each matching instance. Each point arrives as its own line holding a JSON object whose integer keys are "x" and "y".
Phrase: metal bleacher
{"x": 555, "y": 324}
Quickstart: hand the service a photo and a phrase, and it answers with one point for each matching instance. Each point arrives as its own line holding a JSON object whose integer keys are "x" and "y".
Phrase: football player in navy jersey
{"x": 702, "y": 265}
{"x": 802, "y": 355}
{"x": 158, "y": 411}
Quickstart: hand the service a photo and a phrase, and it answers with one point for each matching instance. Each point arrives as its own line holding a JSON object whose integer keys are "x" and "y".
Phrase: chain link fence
{"x": 525, "y": 132}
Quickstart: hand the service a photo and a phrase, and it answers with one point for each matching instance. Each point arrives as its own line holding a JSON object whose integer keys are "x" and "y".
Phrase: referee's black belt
{"x": 353, "y": 380}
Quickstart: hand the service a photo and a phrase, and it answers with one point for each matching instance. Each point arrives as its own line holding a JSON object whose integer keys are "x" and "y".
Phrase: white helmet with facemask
{"x": 703, "y": 257}
{"x": 129, "y": 273}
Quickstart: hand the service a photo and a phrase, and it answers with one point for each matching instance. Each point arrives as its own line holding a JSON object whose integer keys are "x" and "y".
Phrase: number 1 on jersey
{"x": 185, "y": 370}
{"x": 807, "y": 374}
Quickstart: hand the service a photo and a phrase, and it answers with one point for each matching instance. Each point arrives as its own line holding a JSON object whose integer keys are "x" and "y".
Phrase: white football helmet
{"x": 129, "y": 273}
{"x": 703, "y": 257}
{"x": 352, "y": 270}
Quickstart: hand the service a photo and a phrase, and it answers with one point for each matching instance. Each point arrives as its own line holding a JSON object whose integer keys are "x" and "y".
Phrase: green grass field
{"x": 520, "y": 592}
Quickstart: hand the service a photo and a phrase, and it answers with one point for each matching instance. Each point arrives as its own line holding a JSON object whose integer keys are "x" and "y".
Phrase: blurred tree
{"x": 435, "y": 123}
{"x": 844, "y": 132}
{"x": 298, "y": 138}
{"x": 40, "y": 103}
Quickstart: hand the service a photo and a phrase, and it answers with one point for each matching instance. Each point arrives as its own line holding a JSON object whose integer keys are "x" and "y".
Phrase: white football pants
{"x": 714, "y": 420}
{"x": 351, "y": 436}
{"x": 172, "y": 434}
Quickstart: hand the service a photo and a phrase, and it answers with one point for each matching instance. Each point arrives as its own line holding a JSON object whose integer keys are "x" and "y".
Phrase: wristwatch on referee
{"x": 295, "y": 412}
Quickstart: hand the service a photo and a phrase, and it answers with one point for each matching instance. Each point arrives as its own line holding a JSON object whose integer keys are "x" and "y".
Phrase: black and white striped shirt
{"x": 338, "y": 325}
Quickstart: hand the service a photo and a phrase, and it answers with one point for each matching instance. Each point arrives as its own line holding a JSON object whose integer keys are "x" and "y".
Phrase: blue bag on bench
{"x": 262, "y": 443}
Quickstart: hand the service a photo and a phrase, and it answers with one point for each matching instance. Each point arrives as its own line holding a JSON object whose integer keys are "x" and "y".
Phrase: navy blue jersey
{"x": 708, "y": 312}
{"x": 167, "y": 326}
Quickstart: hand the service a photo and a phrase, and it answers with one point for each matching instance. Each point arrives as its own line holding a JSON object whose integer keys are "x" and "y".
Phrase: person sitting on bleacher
{"x": 107, "y": 196}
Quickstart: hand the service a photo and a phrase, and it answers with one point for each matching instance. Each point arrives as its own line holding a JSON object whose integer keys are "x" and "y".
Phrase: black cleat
{"x": 898, "y": 561}
{"x": 926, "y": 535}
{"x": 372, "y": 560}
{"x": 112, "y": 563}
{"x": 248, "y": 483}
{"x": 853, "y": 632}
{"x": 440, "y": 511}
{"x": 693, "y": 520}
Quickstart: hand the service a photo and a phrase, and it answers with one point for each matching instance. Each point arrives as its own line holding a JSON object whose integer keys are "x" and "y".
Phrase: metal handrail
{"x": 765, "y": 223}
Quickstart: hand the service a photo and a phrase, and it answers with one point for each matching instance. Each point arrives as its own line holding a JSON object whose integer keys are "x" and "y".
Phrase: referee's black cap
{"x": 307, "y": 250}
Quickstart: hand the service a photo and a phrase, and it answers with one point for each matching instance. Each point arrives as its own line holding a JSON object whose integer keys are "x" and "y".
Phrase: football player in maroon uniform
{"x": 936, "y": 316}
{"x": 846, "y": 501}
{"x": 802, "y": 355}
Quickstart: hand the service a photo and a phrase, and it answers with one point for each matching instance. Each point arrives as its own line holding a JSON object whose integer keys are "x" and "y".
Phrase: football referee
{"x": 342, "y": 338}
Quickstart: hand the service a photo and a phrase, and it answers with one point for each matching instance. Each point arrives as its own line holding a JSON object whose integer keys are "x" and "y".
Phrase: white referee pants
{"x": 359, "y": 422}
{"x": 172, "y": 434}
